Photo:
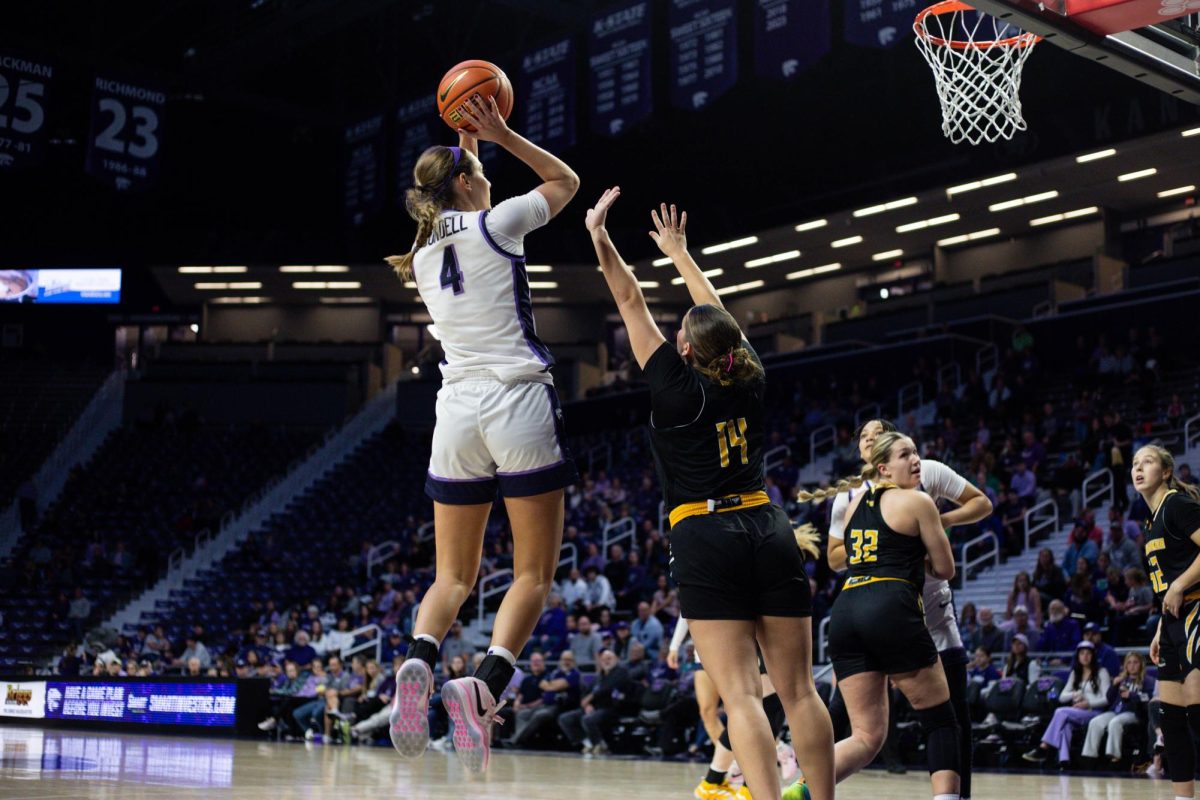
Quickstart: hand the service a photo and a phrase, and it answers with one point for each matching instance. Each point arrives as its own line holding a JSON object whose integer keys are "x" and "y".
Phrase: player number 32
{"x": 863, "y": 545}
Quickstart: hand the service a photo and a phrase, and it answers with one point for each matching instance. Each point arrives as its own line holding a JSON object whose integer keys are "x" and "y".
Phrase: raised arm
{"x": 644, "y": 335}
{"x": 559, "y": 181}
{"x": 670, "y": 234}
{"x": 933, "y": 535}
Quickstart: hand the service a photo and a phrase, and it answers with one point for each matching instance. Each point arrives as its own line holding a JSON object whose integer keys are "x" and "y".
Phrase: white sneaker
{"x": 309, "y": 734}
{"x": 788, "y": 767}
{"x": 408, "y": 724}
{"x": 736, "y": 779}
{"x": 600, "y": 749}
{"x": 472, "y": 710}
{"x": 267, "y": 724}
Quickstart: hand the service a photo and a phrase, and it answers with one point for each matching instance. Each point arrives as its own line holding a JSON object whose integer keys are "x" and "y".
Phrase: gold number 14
{"x": 731, "y": 434}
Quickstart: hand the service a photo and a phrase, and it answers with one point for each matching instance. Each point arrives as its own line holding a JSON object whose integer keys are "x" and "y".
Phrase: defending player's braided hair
{"x": 808, "y": 540}
{"x": 717, "y": 349}
{"x": 1167, "y": 461}
{"x": 881, "y": 452}
{"x": 430, "y": 195}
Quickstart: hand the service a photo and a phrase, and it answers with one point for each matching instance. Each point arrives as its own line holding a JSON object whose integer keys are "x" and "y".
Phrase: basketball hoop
{"x": 976, "y": 61}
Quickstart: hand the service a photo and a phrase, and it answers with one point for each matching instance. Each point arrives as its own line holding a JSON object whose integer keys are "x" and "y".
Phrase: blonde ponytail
{"x": 433, "y": 176}
{"x": 423, "y": 208}
{"x": 808, "y": 540}
{"x": 843, "y": 485}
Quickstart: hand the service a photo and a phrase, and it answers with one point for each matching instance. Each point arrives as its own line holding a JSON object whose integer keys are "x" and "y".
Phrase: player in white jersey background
{"x": 941, "y": 483}
{"x": 498, "y": 427}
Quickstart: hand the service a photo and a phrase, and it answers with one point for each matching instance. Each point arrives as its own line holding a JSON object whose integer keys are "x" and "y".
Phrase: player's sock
{"x": 715, "y": 777}
{"x": 496, "y": 671}
{"x": 425, "y": 647}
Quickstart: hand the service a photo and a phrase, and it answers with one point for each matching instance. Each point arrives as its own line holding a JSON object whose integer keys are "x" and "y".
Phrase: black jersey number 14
{"x": 731, "y": 434}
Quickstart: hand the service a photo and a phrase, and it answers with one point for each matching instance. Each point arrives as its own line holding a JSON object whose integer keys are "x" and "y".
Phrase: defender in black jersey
{"x": 734, "y": 555}
{"x": 1173, "y": 564}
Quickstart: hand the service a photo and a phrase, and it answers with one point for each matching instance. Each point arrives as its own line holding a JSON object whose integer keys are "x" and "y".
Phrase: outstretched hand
{"x": 597, "y": 215}
{"x": 485, "y": 117}
{"x": 670, "y": 230}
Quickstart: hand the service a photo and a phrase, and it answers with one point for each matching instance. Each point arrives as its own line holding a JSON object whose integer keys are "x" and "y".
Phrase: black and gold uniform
{"x": 878, "y": 623}
{"x": 733, "y": 553}
{"x": 1169, "y": 552}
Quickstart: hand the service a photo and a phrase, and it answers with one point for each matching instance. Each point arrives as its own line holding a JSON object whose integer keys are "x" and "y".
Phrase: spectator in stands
{"x": 981, "y": 671}
{"x": 989, "y": 636}
{"x": 1106, "y": 655}
{"x": 1080, "y": 546}
{"x": 1087, "y": 519}
{"x": 1083, "y": 599}
{"x": 1024, "y": 593}
{"x": 599, "y": 710}
{"x": 617, "y": 569}
{"x": 647, "y": 630}
{"x": 1011, "y": 513}
{"x": 585, "y": 642}
{"x": 193, "y": 668}
{"x": 1083, "y": 698}
{"x": 1127, "y": 618}
{"x": 636, "y": 663}
{"x": 528, "y": 696}
{"x": 393, "y": 646}
{"x": 1184, "y": 474}
{"x": 308, "y": 716}
{"x": 560, "y": 693}
{"x": 302, "y": 653}
{"x": 340, "y": 637}
{"x": 968, "y": 624}
{"x": 284, "y": 691}
{"x": 1033, "y": 452}
{"x": 379, "y": 703}
{"x": 317, "y": 637}
{"x": 1019, "y": 624}
{"x": 456, "y": 645}
{"x": 665, "y": 602}
{"x": 550, "y": 633}
{"x": 599, "y": 591}
{"x": 81, "y": 610}
{"x": 1024, "y": 483}
{"x": 1048, "y": 577}
{"x": 194, "y": 649}
{"x": 622, "y": 639}
{"x": 1061, "y": 633}
{"x": 573, "y": 591}
{"x": 1128, "y": 697}
{"x": 592, "y": 558}
{"x": 1122, "y": 552}
{"x": 70, "y": 664}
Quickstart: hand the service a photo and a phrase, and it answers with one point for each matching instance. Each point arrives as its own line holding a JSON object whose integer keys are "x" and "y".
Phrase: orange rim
{"x": 953, "y": 6}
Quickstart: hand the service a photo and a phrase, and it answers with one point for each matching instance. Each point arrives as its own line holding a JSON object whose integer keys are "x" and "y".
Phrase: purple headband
{"x": 457, "y": 151}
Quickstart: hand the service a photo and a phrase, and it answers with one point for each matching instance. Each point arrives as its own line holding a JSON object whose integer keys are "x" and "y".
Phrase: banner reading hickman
{"x": 26, "y": 700}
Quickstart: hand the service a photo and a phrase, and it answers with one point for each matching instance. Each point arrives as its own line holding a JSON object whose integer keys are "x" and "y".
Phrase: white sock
{"x": 1177, "y": 797}
{"x": 503, "y": 653}
{"x": 945, "y": 797}
{"x": 431, "y": 639}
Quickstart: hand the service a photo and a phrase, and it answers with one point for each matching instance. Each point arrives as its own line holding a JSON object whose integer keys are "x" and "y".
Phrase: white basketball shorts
{"x": 490, "y": 435}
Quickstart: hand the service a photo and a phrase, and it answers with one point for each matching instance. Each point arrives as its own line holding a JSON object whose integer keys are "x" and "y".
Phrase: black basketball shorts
{"x": 879, "y": 627}
{"x": 1179, "y": 643}
{"x": 741, "y": 564}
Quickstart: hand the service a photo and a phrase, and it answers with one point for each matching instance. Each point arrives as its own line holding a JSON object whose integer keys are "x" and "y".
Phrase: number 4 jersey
{"x": 471, "y": 275}
{"x": 1169, "y": 546}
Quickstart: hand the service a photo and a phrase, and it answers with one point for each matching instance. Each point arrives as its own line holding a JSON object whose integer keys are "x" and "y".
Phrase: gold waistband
{"x": 733, "y": 502}
{"x": 863, "y": 580}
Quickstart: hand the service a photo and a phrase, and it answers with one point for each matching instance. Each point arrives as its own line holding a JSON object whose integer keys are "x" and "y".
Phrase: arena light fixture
{"x": 886, "y": 254}
{"x": 543, "y": 284}
{"x": 1096, "y": 156}
{"x": 1079, "y": 212}
{"x": 327, "y": 284}
{"x": 1133, "y": 176}
{"x": 979, "y": 184}
{"x": 808, "y": 273}
{"x": 298, "y": 268}
{"x": 708, "y": 273}
{"x": 811, "y": 225}
{"x": 882, "y": 207}
{"x": 968, "y": 237}
{"x": 1191, "y": 132}
{"x": 745, "y": 241}
{"x": 410, "y": 284}
{"x": 927, "y": 223}
{"x": 345, "y": 300}
{"x": 660, "y": 262}
{"x": 775, "y": 259}
{"x": 849, "y": 240}
{"x": 538, "y": 268}
{"x": 740, "y": 287}
{"x": 251, "y": 300}
{"x": 211, "y": 270}
{"x": 1024, "y": 201}
{"x": 648, "y": 284}
{"x": 1177, "y": 190}
{"x": 208, "y": 286}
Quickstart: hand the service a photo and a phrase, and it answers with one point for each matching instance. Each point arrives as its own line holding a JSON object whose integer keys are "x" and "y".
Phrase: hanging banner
{"x": 363, "y": 176}
{"x": 415, "y": 126}
{"x": 126, "y": 132}
{"x": 879, "y": 23}
{"x": 24, "y": 89}
{"x": 547, "y": 94}
{"x": 703, "y": 35}
{"x": 790, "y": 36}
{"x": 619, "y": 68}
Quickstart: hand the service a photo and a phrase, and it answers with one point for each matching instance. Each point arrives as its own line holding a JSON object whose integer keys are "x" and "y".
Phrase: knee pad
{"x": 1177, "y": 742}
{"x": 940, "y": 729}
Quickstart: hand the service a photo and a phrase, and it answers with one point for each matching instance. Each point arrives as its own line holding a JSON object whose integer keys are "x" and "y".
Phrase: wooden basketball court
{"x": 58, "y": 765}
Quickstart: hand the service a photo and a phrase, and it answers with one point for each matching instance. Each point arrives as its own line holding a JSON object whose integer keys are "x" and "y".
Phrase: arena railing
{"x": 1103, "y": 480}
{"x": 380, "y": 553}
{"x": 823, "y": 639}
{"x": 822, "y": 438}
{"x": 604, "y": 450}
{"x": 949, "y": 375}
{"x": 425, "y": 532}
{"x": 910, "y": 397}
{"x": 664, "y": 519}
{"x": 492, "y": 585}
{"x": 375, "y": 643}
{"x": 869, "y": 411}
{"x": 1043, "y": 516}
{"x": 993, "y": 555}
{"x": 775, "y": 456}
{"x": 616, "y": 532}
{"x": 1191, "y": 433}
{"x": 987, "y": 359}
{"x": 571, "y": 559}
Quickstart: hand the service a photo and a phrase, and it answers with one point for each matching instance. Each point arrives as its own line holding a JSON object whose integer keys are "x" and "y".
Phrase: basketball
{"x": 469, "y": 78}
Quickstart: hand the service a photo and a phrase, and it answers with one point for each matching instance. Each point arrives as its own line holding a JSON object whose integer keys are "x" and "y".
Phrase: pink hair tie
{"x": 729, "y": 363}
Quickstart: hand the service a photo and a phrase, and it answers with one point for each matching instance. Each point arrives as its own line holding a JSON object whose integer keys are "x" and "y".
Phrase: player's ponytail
{"x": 430, "y": 195}
{"x": 843, "y": 485}
{"x": 808, "y": 540}
{"x": 717, "y": 349}
{"x": 881, "y": 452}
{"x": 1168, "y": 465}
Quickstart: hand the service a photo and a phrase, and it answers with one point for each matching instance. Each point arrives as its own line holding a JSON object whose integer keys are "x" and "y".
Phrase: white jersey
{"x": 941, "y": 483}
{"x": 471, "y": 276}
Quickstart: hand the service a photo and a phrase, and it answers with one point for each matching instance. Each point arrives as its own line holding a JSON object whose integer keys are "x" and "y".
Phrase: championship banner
{"x": 415, "y": 121}
{"x": 790, "y": 36}
{"x": 24, "y": 700}
{"x": 126, "y": 130}
{"x": 206, "y": 704}
{"x": 547, "y": 93}
{"x": 363, "y": 175}
{"x": 703, "y": 35}
{"x": 619, "y": 68}
{"x": 880, "y": 23}
{"x": 24, "y": 88}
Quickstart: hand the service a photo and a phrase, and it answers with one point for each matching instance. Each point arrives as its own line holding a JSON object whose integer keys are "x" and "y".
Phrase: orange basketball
{"x": 466, "y": 80}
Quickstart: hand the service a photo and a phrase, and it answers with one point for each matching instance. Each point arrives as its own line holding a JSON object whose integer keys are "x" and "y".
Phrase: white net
{"x": 976, "y": 61}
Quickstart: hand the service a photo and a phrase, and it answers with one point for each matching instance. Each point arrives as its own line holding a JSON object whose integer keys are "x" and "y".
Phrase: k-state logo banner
{"x": 790, "y": 36}
{"x": 547, "y": 95}
{"x": 880, "y": 23}
{"x": 24, "y": 89}
{"x": 703, "y": 36}
{"x": 124, "y": 145}
{"x": 619, "y": 67}
{"x": 415, "y": 125}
